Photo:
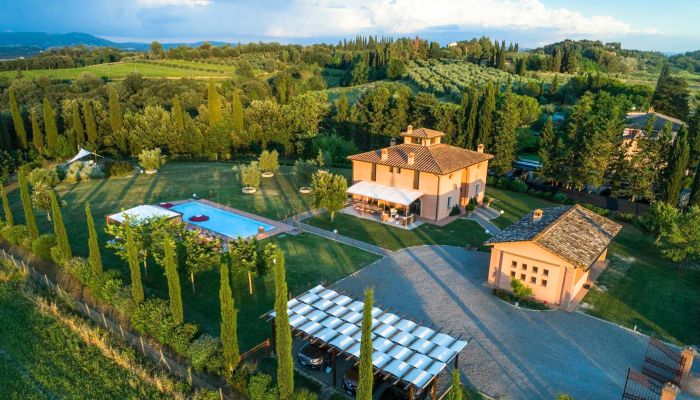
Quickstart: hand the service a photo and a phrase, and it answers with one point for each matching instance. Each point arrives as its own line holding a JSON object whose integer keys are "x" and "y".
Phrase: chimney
{"x": 537, "y": 215}
{"x": 689, "y": 353}
{"x": 409, "y": 129}
{"x": 385, "y": 154}
{"x": 392, "y": 142}
{"x": 480, "y": 148}
{"x": 669, "y": 392}
{"x": 411, "y": 158}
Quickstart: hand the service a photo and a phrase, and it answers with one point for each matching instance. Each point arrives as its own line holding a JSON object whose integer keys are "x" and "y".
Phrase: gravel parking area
{"x": 513, "y": 353}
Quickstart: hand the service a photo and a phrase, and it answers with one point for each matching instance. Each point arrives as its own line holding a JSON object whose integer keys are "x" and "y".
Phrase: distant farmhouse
{"x": 637, "y": 125}
{"x": 555, "y": 251}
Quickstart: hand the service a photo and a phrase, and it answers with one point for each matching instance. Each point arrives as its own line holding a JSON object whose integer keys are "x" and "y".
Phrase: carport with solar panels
{"x": 405, "y": 353}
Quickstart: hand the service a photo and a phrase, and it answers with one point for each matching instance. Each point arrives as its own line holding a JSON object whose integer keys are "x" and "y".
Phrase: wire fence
{"x": 150, "y": 350}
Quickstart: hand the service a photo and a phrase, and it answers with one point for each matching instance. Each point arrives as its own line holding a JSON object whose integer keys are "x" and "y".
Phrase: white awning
{"x": 386, "y": 193}
{"x": 81, "y": 154}
{"x": 143, "y": 212}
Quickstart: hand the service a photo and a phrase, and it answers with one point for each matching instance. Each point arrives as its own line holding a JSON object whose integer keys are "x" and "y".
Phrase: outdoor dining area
{"x": 385, "y": 204}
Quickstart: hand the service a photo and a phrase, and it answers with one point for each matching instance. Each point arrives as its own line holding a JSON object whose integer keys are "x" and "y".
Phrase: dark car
{"x": 311, "y": 356}
{"x": 398, "y": 393}
{"x": 351, "y": 381}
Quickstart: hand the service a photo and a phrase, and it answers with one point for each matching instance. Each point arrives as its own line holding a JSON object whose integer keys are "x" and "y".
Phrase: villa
{"x": 422, "y": 177}
{"x": 555, "y": 251}
{"x": 637, "y": 125}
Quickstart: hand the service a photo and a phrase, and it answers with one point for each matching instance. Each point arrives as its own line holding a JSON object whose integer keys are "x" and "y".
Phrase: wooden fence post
{"x": 122, "y": 331}
{"x": 221, "y": 393}
{"x": 143, "y": 350}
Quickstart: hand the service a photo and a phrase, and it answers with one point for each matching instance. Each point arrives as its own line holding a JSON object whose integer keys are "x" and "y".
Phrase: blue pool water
{"x": 220, "y": 221}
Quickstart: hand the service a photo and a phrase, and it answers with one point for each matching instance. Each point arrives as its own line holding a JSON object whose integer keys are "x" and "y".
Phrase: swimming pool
{"x": 220, "y": 221}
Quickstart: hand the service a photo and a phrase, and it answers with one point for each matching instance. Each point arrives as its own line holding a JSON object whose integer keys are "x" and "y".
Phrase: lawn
{"x": 214, "y": 181}
{"x": 457, "y": 233}
{"x": 120, "y": 70}
{"x": 40, "y": 358}
{"x": 514, "y": 205}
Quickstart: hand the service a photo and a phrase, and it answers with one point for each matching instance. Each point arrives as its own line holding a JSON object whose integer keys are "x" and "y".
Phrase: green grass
{"x": 120, "y": 70}
{"x": 514, "y": 205}
{"x": 457, "y": 233}
{"x": 310, "y": 259}
{"x": 40, "y": 358}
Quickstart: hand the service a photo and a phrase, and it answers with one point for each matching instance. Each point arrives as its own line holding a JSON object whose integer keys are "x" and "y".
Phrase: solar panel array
{"x": 406, "y": 350}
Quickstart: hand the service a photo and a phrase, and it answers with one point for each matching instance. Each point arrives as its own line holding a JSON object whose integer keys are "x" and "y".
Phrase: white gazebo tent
{"x": 384, "y": 194}
{"x": 141, "y": 213}
{"x": 82, "y": 154}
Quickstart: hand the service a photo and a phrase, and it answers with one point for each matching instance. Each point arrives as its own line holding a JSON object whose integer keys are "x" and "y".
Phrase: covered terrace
{"x": 387, "y": 204}
{"x": 405, "y": 353}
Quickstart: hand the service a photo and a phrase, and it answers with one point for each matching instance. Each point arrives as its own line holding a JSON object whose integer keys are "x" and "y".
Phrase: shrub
{"x": 502, "y": 183}
{"x": 598, "y": 210}
{"x": 249, "y": 175}
{"x": 305, "y": 394}
{"x": 491, "y": 180}
{"x": 81, "y": 171}
{"x": 42, "y": 176}
{"x": 118, "y": 168}
{"x": 42, "y": 245}
{"x": 518, "y": 185}
{"x": 625, "y": 217}
{"x": 205, "y": 354}
{"x": 151, "y": 159}
{"x": 559, "y": 197}
{"x": 269, "y": 161}
{"x": 471, "y": 206}
{"x": 80, "y": 269}
{"x": 456, "y": 210}
{"x": 16, "y": 235}
{"x": 520, "y": 290}
{"x": 259, "y": 388}
{"x": 487, "y": 199}
{"x": 153, "y": 318}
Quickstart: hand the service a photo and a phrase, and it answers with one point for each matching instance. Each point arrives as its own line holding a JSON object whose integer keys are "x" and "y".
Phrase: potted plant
{"x": 151, "y": 160}
{"x": 249, "y": 176}
{"x": 268, "y": 162}
{"x": 470, "y": 207}
{"x": 487, "y": 201}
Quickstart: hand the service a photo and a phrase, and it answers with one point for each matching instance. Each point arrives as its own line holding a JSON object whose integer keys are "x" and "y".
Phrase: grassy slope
{"x": 456, "y": 233}
{"x": 216, "y": 182}
{"x": 514, "y": 205}
{"x": 119, "y": 70}
{"x": 40, "y": 358}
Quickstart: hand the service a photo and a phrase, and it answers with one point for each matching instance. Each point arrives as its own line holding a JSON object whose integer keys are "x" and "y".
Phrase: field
{"x": 40, "y": 358}
{"x": 120, "y": 70}
{"x": 214, "y": 181}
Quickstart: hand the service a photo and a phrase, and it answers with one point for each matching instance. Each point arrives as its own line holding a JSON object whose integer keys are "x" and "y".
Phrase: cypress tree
{"x": 50, "y": 129}
{"x": 283, "y": 333}
{"x": 78, "y": 124}
{"x": 506, "y": 141}
{"x": 9, "y": 218}
{"x": 132, "y": 254}
{"x": 95, "y": 258}
{"x": 694, "y": 191}
{"x": 178, "y": 116}
{"x": 37, "y": 135}
{"x": 366, "y": 370}
{"x": 115, "y": 110}
{"x": 677, "y": 164}
{"x": 29, "y": 218}
{"x": 90, "y": 125}
{"x": 229, "y": 321}
{"x": 456, "y": 390}
{"x": 546, "y": 149}
{"x": 20, "y": 131}
{"x": 237, "y": 113}
{"x": 487, "y": 109}
{"x": 214, "y": 104}
{"x": 60, "y": 229}
{"x": 174, "y": 290}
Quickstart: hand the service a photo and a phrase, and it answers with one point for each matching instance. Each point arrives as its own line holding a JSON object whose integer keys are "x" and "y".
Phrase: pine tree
{"x": 237, "y": 113}
{"x": 78, "y": 124}
{"x": 115, "y": 110}
{"x": 366, "y": 370}
{"x": 506, "y": 139}
{"x": 94, "y": 258}
{"x": 546, "y": 150}
{"x": 29, "y": 218}
{"x": 37, "y": 135}
{"x": 132, "y": 254}
{"x": 677, "y": 164}
{"x": 50, "y": 129}
{"x": 178, "y": 115}
{"x": 487, "y": 109}
{"x": 9, "y": 218}
{"x": 59, "y": 229}
{"x": 20, "y": 130}
{"x": 174, "y": 290}
{"x": 283, "y": 333}
{"x": 214, "y": 104}
{"x": 90, "y": 125}
{"x": 229, "y": 322}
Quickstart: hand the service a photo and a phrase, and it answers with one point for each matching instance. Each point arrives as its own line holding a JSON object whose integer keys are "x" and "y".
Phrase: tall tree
{"x": 64, "y": 250}
{"x": 202, "y": 254}
{"x": 677, "y": 165}
{"x": 546, "y": 149}
{"x": 694, "y": 191}
{"x": 487, "y": 109}
{"x": 50, "y": 129}
{"x": 237, "y": 113}
{"x": 283, "y": 333}
{"x": 174, "y": 290}
{"x": 132, "y": 254}
{"x": 29, "y": 218}
{"x": 90, "y": 125}
{"x": 671, "y": 94}
{"x": 77, "y": 124}
{"x": 329, "y": 192}
{"x": 94, "y": 258}
{"x": 366, "y": 370}
{"x": 506, "y": 138}
{"x": 178, "y": 115}
{"x": 37, "y": 134}
{"x": 244, "y": 258}
{"x": 115, "y": 110}
{"x": 229, "y": 321}
{"x": 213, "y": 104}
{"x": 456, "y": 389}
{"x": 680, "y": 237}
{"x": 18, "y": 121}
{"x": 9, "y": 218}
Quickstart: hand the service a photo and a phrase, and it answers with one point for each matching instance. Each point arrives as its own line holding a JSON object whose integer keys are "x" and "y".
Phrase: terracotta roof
{"x": 573, "y": 233}
{"x": 437, "y": 159}
{"x": 639, "y": 120}
{"x": 423, "y": 133}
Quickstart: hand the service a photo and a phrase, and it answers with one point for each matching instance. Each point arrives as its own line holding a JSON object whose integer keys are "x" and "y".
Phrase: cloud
{"x": 175, "y": 3}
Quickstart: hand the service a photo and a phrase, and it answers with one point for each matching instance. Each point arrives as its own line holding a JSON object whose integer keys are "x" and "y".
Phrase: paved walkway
{"x": 483, "y": 217}
{"x": 344, "y": 239}
{"x": 514, "y": 353}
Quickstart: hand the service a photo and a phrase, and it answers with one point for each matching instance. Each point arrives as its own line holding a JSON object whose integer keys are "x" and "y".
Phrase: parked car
{"x": 398, "y": 393}
{"x": 351, "y": 381}
{"x": 312, "y": 356}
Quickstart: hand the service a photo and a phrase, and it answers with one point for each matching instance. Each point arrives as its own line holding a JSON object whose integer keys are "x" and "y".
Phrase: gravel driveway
{"x": 514, "y": 354}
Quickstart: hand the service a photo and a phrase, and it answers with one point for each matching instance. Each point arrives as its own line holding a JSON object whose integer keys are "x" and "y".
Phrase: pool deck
{"x": 280, "y": 227}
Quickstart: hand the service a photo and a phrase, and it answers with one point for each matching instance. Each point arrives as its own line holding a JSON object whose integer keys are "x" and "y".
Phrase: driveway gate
{"x": 662, "y": 363}
{"x": 640, "y": 387}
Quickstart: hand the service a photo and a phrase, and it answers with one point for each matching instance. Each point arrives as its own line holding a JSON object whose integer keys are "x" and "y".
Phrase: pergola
{"x": 400, "y": 197}
{"x": 404, "y": 352}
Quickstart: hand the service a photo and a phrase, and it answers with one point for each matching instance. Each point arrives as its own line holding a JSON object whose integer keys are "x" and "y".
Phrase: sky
{"x": 668, "y": 26}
